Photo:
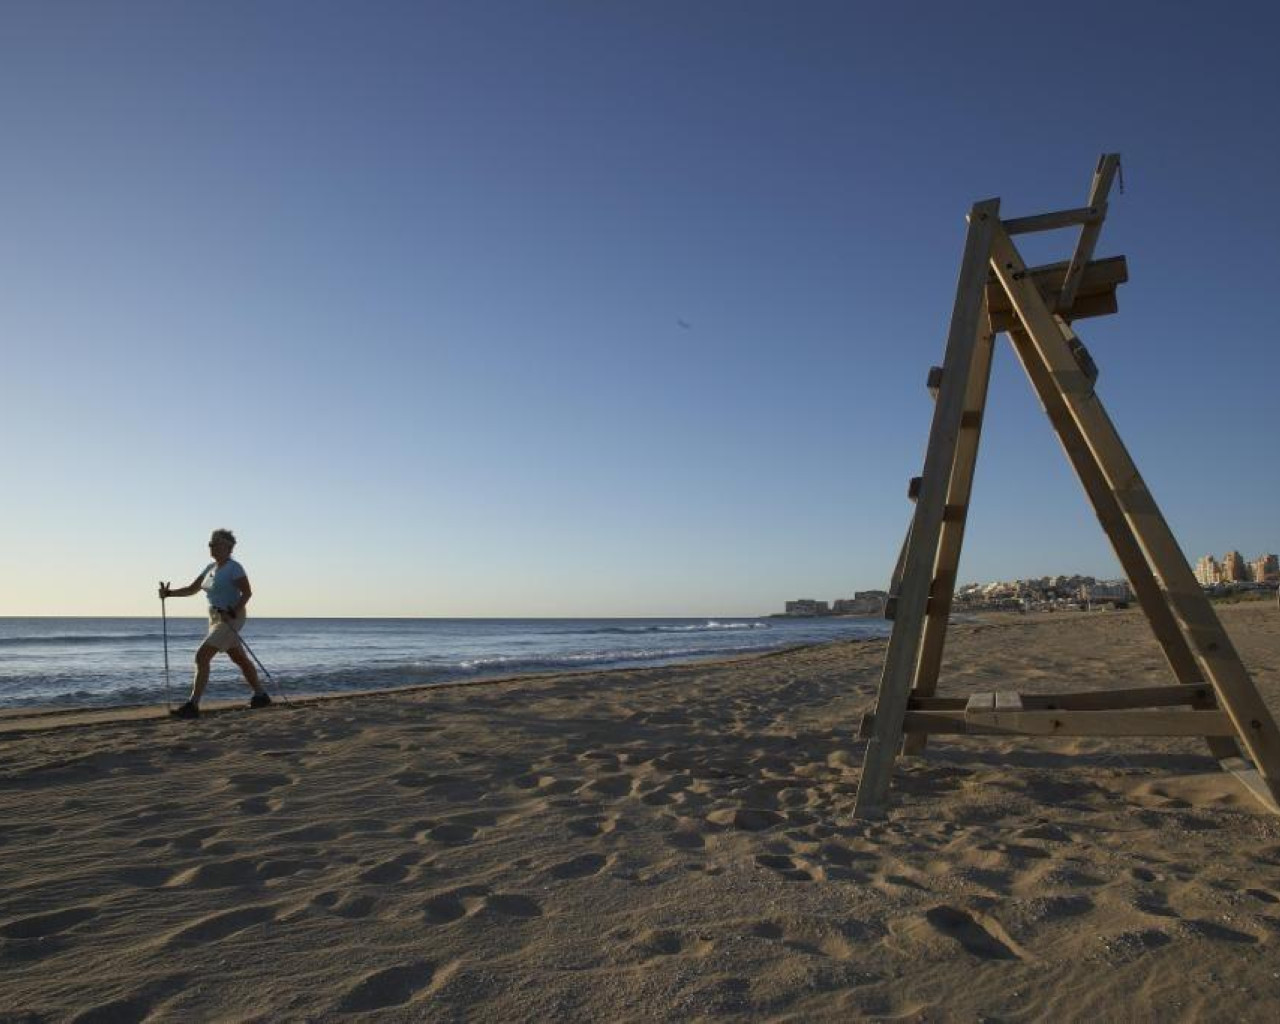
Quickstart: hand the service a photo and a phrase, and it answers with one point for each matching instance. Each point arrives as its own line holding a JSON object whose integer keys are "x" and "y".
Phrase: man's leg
{"x": 238, "y": 655}
{"x": 204, "y": 657}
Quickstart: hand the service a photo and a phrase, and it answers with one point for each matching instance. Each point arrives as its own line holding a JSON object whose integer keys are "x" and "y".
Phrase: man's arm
{"x": 246, "y": 592}
{"x": 168, "y": 591}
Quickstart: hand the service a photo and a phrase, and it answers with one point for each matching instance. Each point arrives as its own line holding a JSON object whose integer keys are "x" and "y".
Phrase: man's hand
{"x": 164, "y": 590}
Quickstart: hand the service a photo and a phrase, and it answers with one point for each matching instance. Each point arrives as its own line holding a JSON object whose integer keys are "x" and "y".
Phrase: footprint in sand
{"x": 452, "y": 834}
{"x": 40, "y": 925}
{"x": 393, "y": 986}
{"x": 393, "y": 870}
{"x": 219, "y": 926}
{"x": 241, "y": 871}
{"x": 258, "y": 805}
{"x": 976, "y": 939}
{"x": 609, "y": 785}
{"x": 307, "y": 834}
{"x": 685, "y": 839}
{"x": 787, "y": 867}
{"x": 660, "y": 943}
{"x": 580, "y": 867}
{"x": 138, "y": 1006}
{"x": 746, "y": 819}
{"x": 512, "y": 905}
{"x": 349, "y": 907}
{"x": 143, "y": 876}
{"x": 446, "y": 907}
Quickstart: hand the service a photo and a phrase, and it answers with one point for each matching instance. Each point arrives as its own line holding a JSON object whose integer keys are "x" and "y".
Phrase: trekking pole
{"x": 164, "y": 622}
{"x": 245, "y": 644}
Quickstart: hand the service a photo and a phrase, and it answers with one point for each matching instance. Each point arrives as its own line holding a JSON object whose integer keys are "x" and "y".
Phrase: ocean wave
{"x": 710, "y": 626}
{"x": 79, "y": 639}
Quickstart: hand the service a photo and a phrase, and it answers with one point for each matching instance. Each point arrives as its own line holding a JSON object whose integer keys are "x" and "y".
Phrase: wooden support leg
{"x": 953, "y": 521}
{"x": 1207, "y": 639}
{"x": 1151, "y": 597}
{"x": 904, "y": 644}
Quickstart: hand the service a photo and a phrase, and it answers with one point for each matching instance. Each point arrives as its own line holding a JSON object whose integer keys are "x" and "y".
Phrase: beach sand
{"x": 671, "y": 844}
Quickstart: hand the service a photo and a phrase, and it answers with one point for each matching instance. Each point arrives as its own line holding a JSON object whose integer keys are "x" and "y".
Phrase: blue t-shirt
{"x": 219, "y": 584}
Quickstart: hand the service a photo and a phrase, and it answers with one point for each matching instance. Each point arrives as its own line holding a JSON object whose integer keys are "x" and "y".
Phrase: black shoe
{"x": 188, "y": 710}
{"x": 260, "y": 700}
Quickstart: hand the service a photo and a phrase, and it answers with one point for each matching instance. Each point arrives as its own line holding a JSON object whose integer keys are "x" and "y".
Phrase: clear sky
{"x": 398, "y": 292}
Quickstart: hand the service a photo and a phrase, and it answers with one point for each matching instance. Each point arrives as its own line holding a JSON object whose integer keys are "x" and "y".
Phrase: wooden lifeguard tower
{"x": 1214, "y": 696}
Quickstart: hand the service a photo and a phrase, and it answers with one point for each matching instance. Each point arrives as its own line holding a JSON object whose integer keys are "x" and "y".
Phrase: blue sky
{"x": 395, "y": 291}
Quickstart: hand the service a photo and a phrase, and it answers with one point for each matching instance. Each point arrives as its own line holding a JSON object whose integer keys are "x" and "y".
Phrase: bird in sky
{"x": 685, "y": 324}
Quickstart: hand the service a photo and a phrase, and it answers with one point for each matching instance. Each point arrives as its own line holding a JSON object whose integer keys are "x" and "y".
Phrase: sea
{"x": 71, "y": 662}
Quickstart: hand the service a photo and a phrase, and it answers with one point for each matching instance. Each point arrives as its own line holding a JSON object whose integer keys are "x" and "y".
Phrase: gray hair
{"x": 224, "y": 535}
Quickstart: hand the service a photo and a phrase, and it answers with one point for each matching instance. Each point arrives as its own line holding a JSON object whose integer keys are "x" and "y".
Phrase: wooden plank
{"x": 980, "y": 703}
{"x": 1007, "y": 700}
{"x": 1101, "y": 186}
{"x": 904, "y": 643}
{"x": 1071, "y": 723}
{"x": 1085, "y": 307}
{"x": 1126, "y": 698}
{"x": 1175, "y": 695}
{"x": 1100, "y": 278}
{"x": 895, "y": 581}
{"x": 1210, "y": 644}
{"x": 1105, "y": 723}
{"x": 1057, "y": 219}
{"x": 936, "y": 703}
{"x": 955, "y": 513}
{"x": 921, "y": 723}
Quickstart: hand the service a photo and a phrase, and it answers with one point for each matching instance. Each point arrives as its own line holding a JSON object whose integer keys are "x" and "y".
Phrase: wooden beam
{"x": 895, "y": 581}
{"x": 1103, "y": 723}
{"x": 1100, "y": 277}
{"x": 1098, "y": 192}
{"x": 967, "y": 320}
{"x": 1131, "y": 697}
{"x": 1085, "y": 307}
{"x": 1057, "y": 219}
{"x": 1068, "y": 723}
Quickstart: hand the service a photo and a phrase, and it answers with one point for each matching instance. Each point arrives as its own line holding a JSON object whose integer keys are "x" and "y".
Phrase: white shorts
{"x": 221, "y": 636}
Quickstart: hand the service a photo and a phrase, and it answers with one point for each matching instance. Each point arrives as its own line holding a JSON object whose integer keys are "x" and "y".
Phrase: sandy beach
{"x": 663, "y": 844}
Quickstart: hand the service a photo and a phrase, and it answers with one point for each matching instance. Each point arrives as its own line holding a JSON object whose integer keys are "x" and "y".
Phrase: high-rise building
{"x": 1234, "y": 569}
{"x": 1265, "y": 569}
{"x": 1208, "y": 571}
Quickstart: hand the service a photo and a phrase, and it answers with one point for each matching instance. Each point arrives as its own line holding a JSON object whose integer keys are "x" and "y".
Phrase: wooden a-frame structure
{"x": 1214, "y": 696}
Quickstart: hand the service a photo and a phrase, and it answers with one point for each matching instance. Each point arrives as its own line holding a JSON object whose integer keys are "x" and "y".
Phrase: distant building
{"x": 806, "y": 607}
{"x": 1208, "y": 571}
{"x": 1265, "y": 569}
{"x": 1116, "y": 591}
{"x": 1234, "y": 569}
{"x": 863, "y": 602}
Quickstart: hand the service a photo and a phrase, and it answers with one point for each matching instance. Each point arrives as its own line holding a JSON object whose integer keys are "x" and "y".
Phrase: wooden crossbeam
{"x": 996, "y": 721}
{"x": 1057, "y": 219}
